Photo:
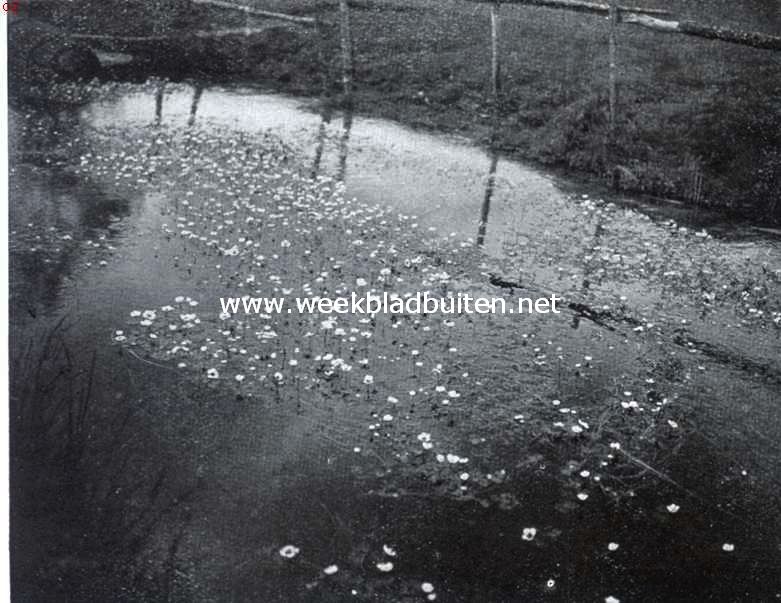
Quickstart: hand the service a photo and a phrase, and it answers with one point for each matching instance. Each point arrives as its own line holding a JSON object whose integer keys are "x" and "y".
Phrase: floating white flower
{"x": 289, "y": 551}
{"x": 673, "y": 508}
{"x": 331, "y": 570}
{"x": 212, "y": 373}
{"x": 388, "y": 550}
{"x": 728, "y": 547}
{"x": 613, "y": 546}
{"x": 386, "y": 566}
{"x": 529, "y": 533}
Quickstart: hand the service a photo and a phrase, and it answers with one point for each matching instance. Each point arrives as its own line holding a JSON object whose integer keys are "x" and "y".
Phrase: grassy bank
{"x": 697, "y": 120}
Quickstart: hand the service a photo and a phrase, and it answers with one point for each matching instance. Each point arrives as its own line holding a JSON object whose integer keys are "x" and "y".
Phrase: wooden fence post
{"x": 346, "y": 42}
{"x": 612, "y": 59}
{"x": 612, "y": 92}
{"x": 495, "y": 66}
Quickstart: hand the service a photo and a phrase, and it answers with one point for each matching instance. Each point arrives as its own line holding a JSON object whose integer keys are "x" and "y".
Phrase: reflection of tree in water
{"x": 53, "y": 214}
{"x": 39, "y": 137}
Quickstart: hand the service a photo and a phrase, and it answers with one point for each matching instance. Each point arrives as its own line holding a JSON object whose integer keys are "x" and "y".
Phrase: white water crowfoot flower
{"x": 289, "y": 551}
{"x": 385, "y": 566}
{"x": 529, "y": 534}
{"x": 331, "y": 570}
{"x": 673, "y": 508}
{"x": 212, "y": 373}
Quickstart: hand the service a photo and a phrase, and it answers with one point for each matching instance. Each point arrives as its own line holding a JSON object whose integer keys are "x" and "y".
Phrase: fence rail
{"x": 580, "y": 6}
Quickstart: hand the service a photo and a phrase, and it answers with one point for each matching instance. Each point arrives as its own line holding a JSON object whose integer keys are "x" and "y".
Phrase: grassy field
{"x": 698, "y": 120}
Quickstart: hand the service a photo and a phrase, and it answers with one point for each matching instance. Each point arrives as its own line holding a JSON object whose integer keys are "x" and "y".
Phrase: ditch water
{"x": 526, "y": 511}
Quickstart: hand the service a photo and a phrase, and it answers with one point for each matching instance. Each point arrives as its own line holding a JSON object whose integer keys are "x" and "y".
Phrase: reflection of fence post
{"x": 495, "y": 77}
{"x": 197, "y": 93}
{"x": 346, "y": 40}
{"x": 490, "y": 184}
{"x": 325, "y": 84}
{"x": 612, "y": 93}
{"x": 159, "y": 96}
{"x": 344, "y": 143}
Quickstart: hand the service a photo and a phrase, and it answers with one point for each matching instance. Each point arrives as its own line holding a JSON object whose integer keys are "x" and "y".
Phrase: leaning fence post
{"x": 495, "y": 82}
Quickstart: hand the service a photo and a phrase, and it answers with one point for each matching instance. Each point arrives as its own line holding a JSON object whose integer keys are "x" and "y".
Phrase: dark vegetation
{"x": 698, "y": 120}
{"x": 94, "y": 503}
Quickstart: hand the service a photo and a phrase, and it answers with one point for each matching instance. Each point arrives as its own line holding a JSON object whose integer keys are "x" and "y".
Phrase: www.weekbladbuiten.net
{"x": 389, "y": 303}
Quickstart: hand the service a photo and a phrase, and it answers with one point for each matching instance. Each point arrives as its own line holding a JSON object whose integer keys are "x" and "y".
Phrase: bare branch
{"x": 744, "y": 38}
{"x": 255, "y": 11}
